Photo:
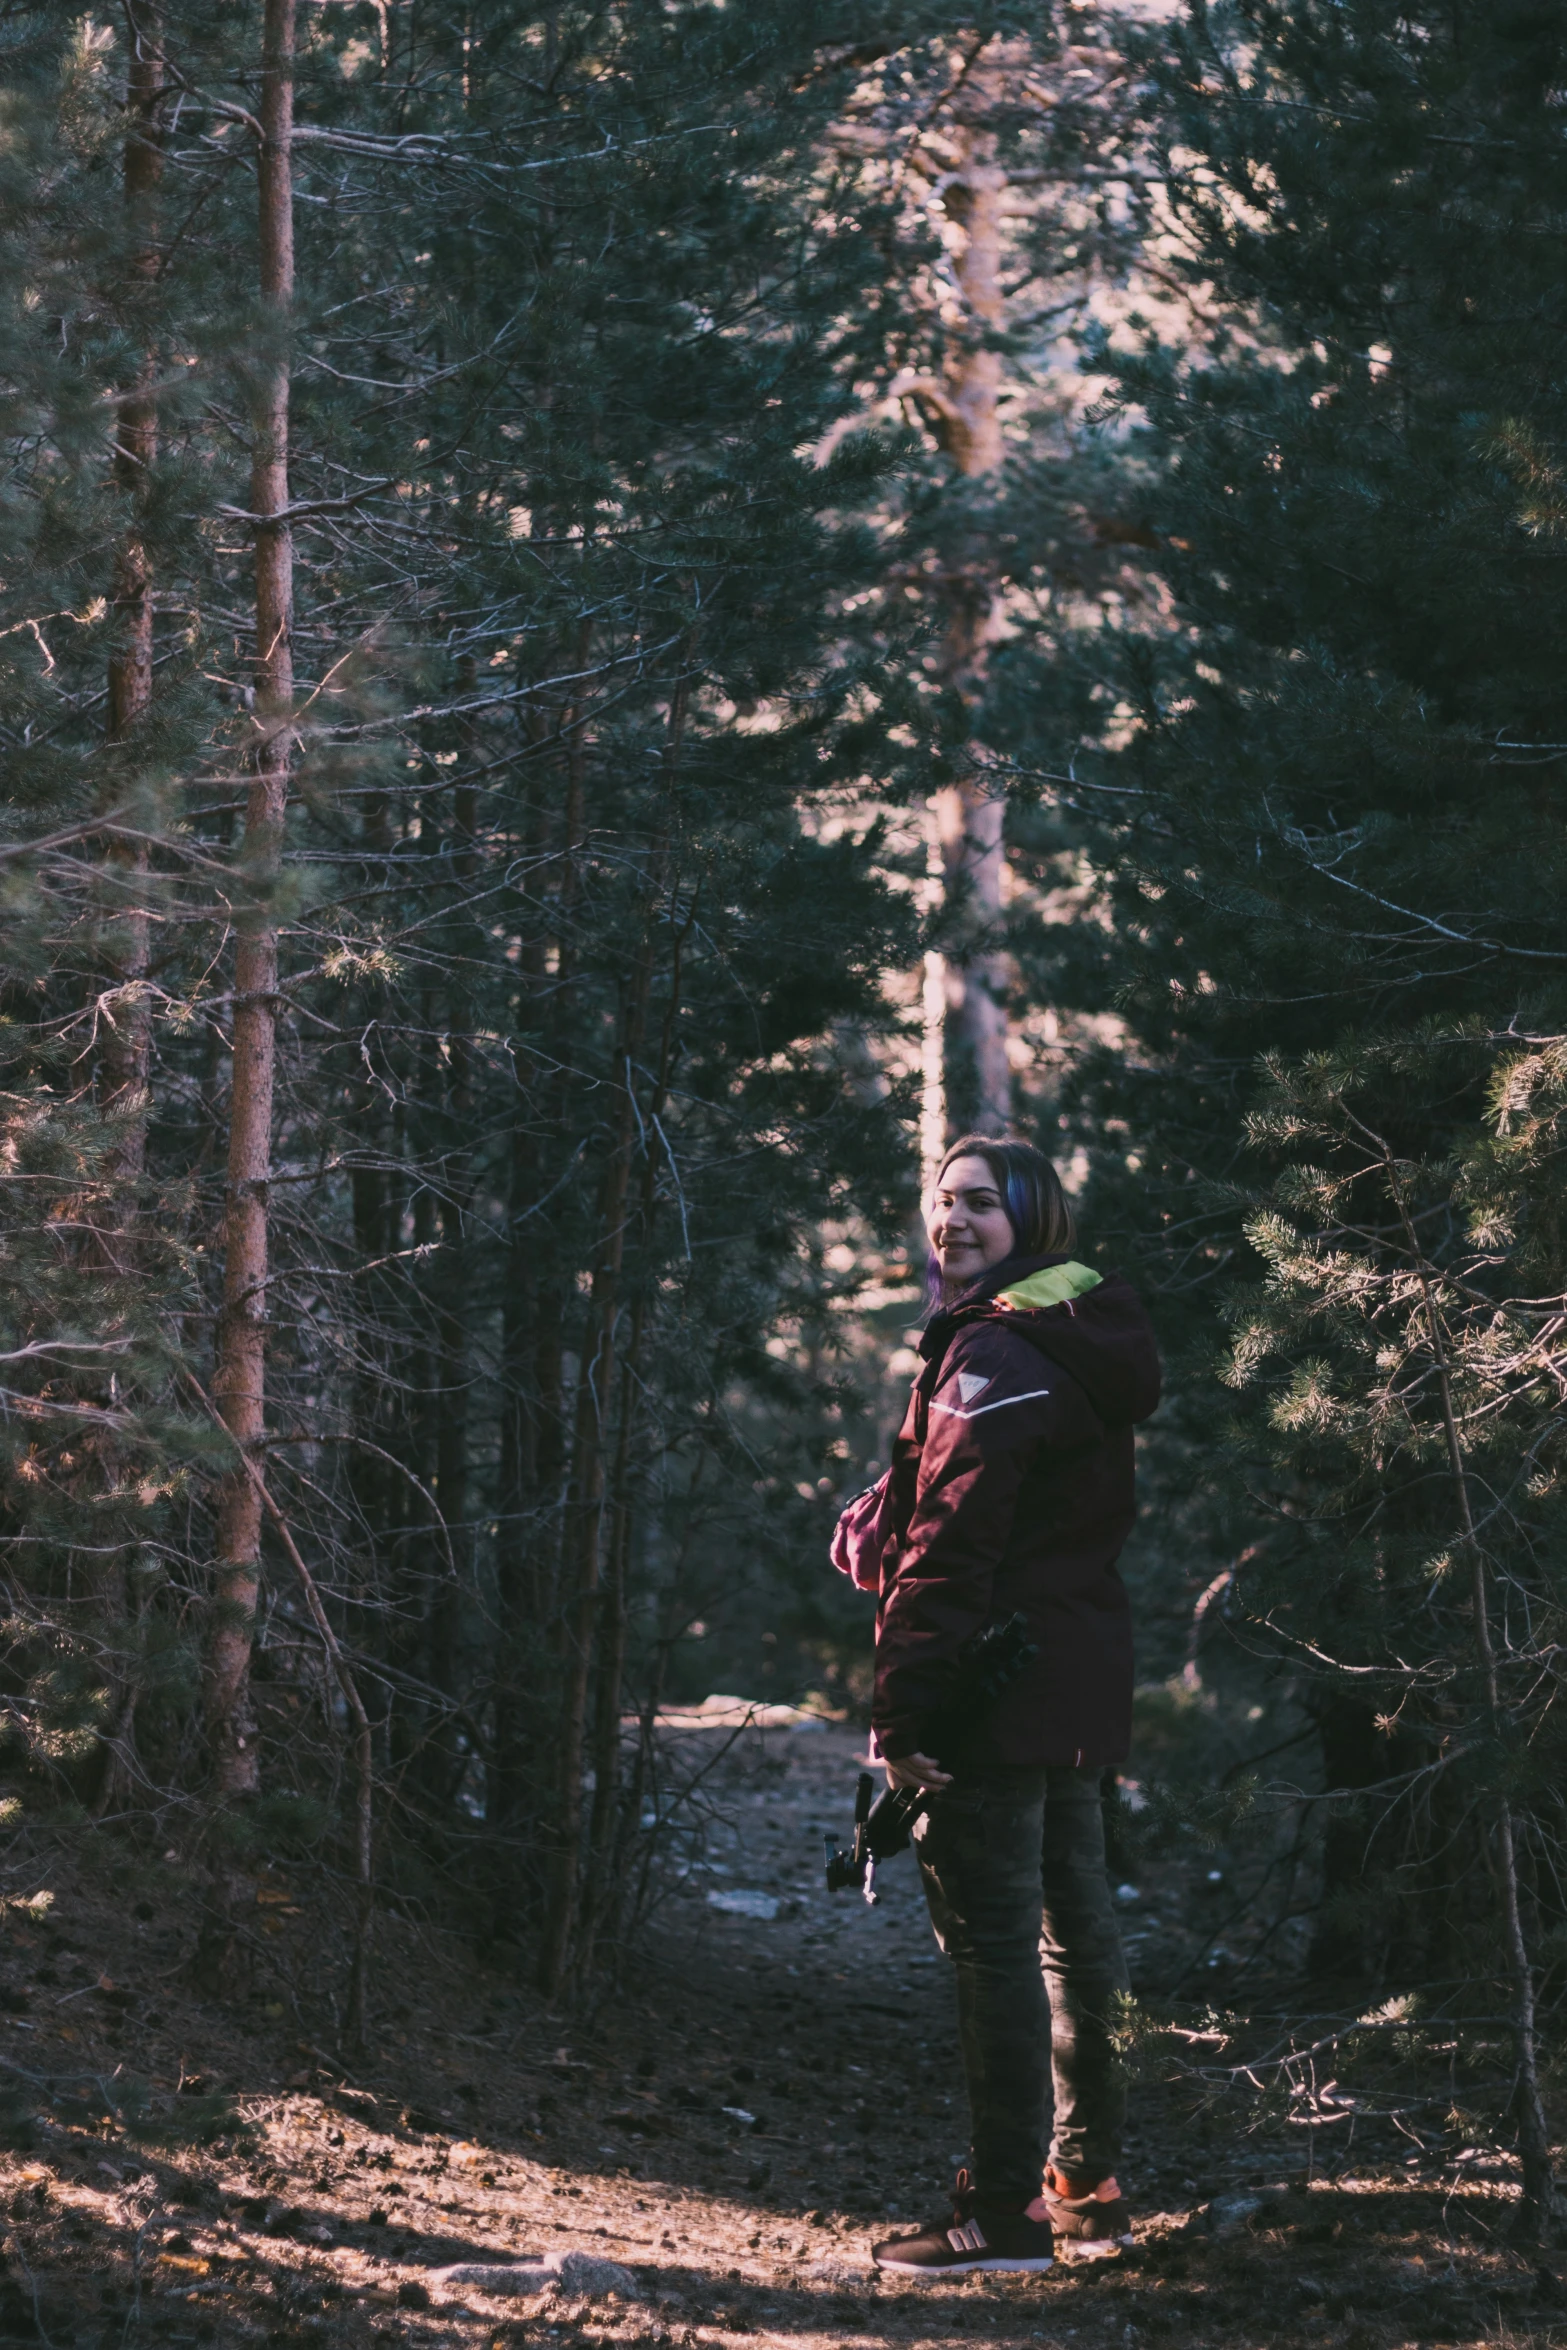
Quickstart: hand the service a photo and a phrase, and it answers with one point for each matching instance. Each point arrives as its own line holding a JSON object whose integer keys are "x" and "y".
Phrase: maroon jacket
{"x": 1011, "y": 1487}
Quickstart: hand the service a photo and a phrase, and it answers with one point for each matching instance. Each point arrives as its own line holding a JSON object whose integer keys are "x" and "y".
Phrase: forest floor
{"x": 733, "y": 2129}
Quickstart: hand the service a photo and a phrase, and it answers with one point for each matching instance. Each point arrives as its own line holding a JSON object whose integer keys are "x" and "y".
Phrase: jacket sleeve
{"x": 991, "y": 1409}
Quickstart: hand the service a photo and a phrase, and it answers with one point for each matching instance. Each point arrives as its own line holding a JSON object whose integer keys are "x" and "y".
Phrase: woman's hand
{"x": 916, "y": 1770}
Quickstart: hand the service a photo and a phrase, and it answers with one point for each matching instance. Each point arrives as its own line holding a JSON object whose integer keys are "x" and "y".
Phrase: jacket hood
{"x": 1094, "y": 1325}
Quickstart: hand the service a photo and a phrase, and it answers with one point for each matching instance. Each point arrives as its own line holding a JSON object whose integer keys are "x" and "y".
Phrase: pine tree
{"x": 494, "y": 953}
{"x": 1008, "y": 157}
{"x": 100, "y": 1455}
{"x": 1332, "y": 867}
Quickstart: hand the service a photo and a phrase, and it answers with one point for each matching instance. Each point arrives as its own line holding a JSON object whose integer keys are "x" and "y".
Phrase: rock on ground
{"x": 577, "y": 2273}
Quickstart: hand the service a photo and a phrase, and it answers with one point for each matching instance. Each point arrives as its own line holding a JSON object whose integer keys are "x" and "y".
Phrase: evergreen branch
{"x": 56, "y": 840}
{"x": 1117, "y": 791}
{"x": 1414, "y": 1676}
{"x": 39, "y": 1407}
{"x": 51, "y": 1346}
{"x": 638, "y": 655}
{"x": 426, "y": 147}
{"x": 1426, "y": 921}
{"x": 304, "y": 508}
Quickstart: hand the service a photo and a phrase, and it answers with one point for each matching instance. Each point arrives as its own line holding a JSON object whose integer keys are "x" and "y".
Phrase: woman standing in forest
{"x": 1011, "y": 1489}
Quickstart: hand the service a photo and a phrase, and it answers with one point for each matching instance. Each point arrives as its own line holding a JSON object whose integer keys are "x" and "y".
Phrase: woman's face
{"x": 969, "y": 1228}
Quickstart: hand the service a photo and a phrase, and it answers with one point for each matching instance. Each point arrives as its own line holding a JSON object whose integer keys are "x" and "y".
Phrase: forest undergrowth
{"x": 729, "y": 2128}
{"x": 614, "y": 619}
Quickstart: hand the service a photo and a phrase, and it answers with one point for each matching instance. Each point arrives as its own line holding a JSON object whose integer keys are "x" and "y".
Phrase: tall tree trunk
{"x": 595, "y": 1388}
{"x": 599, "y": 1902}
{"x": 1541, "y": 2207}
{"x": 535, "y": 1342}
{"x": 376, "y": 1238}
{"x": 124, "y": 1032}
{"x": 1540, "y": 2214}
{"x": 125, "y": 1028}
{"x": 519, "y": 1597}
{"x": 419, "y": 1556}
{"x": 1354, "y": 1757}
{"x": 605, "y": 1828}
{"x": 239, "y": 1380}
{"x": 454, "y": 1573}
{"x": 966, "y": 1075}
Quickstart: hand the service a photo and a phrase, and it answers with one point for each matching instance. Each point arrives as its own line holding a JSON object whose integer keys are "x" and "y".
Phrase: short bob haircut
{"x": 1038, "y": 1209}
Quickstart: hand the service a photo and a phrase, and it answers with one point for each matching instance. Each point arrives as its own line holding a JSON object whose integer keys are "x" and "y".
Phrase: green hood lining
{"x": 1053, "y": 1287}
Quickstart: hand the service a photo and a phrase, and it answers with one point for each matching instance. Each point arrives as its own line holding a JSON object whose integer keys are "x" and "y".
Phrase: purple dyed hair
{"x": 1037, "y": 1207}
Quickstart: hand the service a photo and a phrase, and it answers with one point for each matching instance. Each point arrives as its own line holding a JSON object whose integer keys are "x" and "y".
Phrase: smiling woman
{"x": 992, "y": 1200}
{"x": 1011, "y": 1493}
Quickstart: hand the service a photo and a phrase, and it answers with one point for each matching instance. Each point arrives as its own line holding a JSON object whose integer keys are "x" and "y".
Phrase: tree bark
{"x": 355, "y": 2007}
{"x": 528, "y": 1581}
{"x": 967, "y": 1079}
{"x": 519, "y": 1596}
{"x": 1353, "y": 1758}
{"x": 1540, "y": 2211}
{"x": 604, "y": 1822}
{"x": 595, "y": 1387}
{"x": 124, "y": 1022}
{"x": 377, "y": 1236}
{"x": 453, "y": 1575}
{"x": 418, "y": 1555}
{"x": 605, "y": 1828}
{"x": 239, "y": 1381}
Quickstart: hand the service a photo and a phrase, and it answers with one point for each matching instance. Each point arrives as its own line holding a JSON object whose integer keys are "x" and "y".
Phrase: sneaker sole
{"x": 1021, "y": 2265}
{"x": 1093, "y": 2247}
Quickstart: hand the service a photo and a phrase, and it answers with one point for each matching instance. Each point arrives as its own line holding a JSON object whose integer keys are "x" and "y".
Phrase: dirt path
{"x": 732, "y": 2132}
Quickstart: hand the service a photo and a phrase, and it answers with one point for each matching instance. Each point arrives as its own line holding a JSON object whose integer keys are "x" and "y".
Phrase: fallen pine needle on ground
{"x": 704, "y": 2157}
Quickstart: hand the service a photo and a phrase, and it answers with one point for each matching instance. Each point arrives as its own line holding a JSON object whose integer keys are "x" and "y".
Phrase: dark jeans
{"x": 1014, "y": 1868}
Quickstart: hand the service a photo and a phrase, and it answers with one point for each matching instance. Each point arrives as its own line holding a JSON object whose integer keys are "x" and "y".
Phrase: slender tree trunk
{"x": 554, "y": 1295}
{"x": 1540, "y": 2204}
{"x": 419, "y": 1555}
{"x": 529, "y": 1583}
{"x": 1541, "y": 2210}
{"x": 376, "y": 1237}
{"x": 1354, "y": 1756}
{"x": 125, "y": 1028}
{"x": 600, "y": 1903}
{"x": 595, "y": 1387}
{"x": 239, "y": 1380}
{"x": 454, "y": 1574}
{"x": 645, "y": 1770}
{"x": 604, "y": 1827}
{"x": 518, "y": 1597}
{"x": 966, "y": 1074}
{"x": 612, "y": 1625}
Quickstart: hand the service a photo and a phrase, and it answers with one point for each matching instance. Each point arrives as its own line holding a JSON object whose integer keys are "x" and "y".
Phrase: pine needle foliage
{"x": 577, "y": 898}
{"x": 1325, "y": 796}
